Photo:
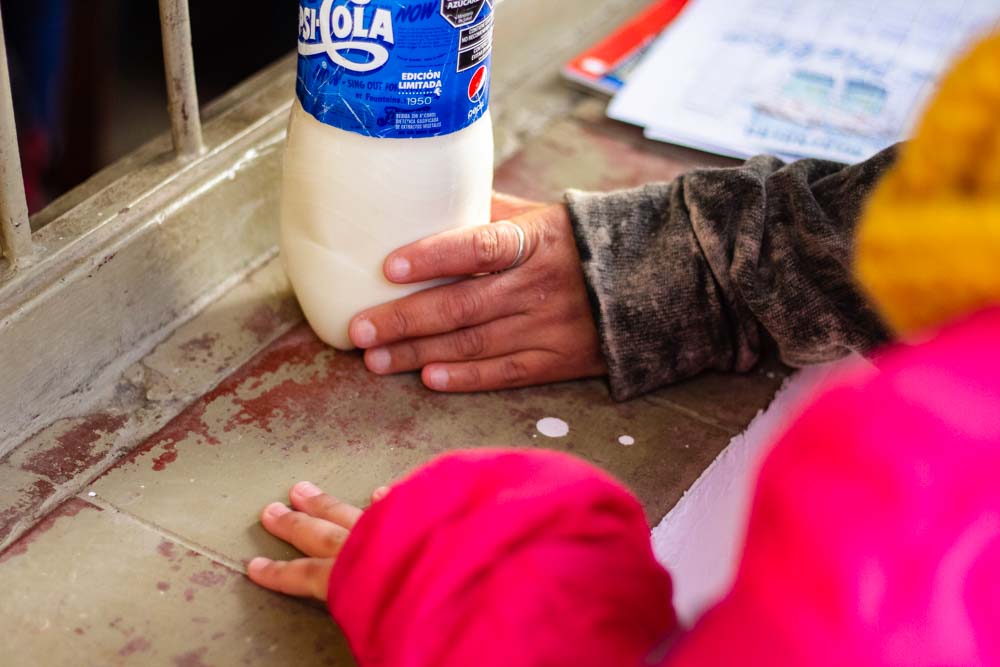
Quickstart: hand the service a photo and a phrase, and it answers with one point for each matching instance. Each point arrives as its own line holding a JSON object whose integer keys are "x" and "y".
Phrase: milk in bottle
{"x": 390, "y": 140}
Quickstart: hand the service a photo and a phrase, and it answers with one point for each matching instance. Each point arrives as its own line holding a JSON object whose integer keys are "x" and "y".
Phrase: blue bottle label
{"x": 391, "y": 69}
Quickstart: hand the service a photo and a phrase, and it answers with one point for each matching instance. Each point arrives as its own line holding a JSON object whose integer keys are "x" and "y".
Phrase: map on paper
{"x": 834, "y": 79}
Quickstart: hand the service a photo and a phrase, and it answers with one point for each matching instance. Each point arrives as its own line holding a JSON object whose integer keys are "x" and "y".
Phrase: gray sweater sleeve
{"x": 700, "y": 273}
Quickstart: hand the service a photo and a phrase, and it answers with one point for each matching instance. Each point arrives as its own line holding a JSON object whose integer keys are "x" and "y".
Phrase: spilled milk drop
{"x": 551, "y": 427}
{"x": 626, "y": 440}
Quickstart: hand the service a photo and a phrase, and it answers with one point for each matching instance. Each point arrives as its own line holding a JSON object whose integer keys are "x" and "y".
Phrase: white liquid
{"x": 347, "y": 201}
{"x": 551, "y": 427}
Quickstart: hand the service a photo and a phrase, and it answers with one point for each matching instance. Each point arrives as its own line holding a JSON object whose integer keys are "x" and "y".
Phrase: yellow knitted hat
{"x": 928, "y": 248}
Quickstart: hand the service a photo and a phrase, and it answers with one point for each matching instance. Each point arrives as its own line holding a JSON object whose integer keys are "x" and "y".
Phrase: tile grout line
{"x": 694, "y": 414}
{"x": 200, "y": 549}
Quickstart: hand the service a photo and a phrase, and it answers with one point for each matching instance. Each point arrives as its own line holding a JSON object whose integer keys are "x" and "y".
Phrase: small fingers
{"x": 380, "y": 493}
{"x": 462, "y": 252}
{"x": 305, "y": 577}
{"x": 516, "y": 370}
{"x": 307, "y": 497}
{"x": 314, "y": 537}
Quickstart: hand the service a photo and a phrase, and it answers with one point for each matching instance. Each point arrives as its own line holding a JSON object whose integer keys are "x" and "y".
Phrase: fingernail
{"x": 307, "y": 489}
{"x": 380, "y": 493}
{"x": 379, "y": 360}
{"x": 257, "y": 564}
{"x": 363, "y": 333}
{"x": 277, "y": 509}
{"x": 398, "y": 268}
{"x": 438, "y": 378}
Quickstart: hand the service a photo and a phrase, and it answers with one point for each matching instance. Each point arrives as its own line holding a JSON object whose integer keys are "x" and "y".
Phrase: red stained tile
{"x": 70, "y": 508}
{"x": 304, "y": 396}
{"x": 137, "y": 645}
{"x": 191, "y": 658}
{"x": 263, "y": 323}
{"x": 81, "y": 447}
{"x": 200, "y": 347}
{"x": 207, "y": 578}
{"x": 28, "y": 500}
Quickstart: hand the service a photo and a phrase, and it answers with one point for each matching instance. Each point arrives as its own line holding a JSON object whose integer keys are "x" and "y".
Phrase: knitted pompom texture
{"x": 928, "y": 248}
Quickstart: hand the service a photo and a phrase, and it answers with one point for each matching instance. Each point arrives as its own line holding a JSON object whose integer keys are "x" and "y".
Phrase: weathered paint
{"x": 22, "y": 496}
{"x": 69, "y": 453}
{"x": 264, "y": 322}
{"x": 300, "y": 410}
{"x": 68, "y": 509}
{"x": 82, "y": 446}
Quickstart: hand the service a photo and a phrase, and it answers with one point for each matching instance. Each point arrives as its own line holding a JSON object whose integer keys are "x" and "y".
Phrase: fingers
{"x": 319, "y": 529}
{"x": 305, "y": 577}
{"x": 431, "y": 312}
{"x": 486, "y": 341}
{"x": 461, "y": 252}
{"x": 307, "y": 497}
{"x": 516, "y": 370}
{"x": 527, "y": 326}
{"x": 312, "y": 536}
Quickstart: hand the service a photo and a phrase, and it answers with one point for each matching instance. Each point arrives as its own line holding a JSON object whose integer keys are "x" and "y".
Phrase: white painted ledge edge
{"x": 700, "y": 540}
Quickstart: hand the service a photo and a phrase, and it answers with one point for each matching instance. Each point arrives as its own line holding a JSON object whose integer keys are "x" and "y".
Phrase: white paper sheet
{"x": 836, "y": 79}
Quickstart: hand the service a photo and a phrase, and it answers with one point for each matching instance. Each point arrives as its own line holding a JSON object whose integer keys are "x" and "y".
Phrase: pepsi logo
{"x": 478, "y": 84}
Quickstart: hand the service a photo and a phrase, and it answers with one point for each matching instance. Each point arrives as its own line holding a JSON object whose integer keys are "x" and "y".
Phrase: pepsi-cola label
{"x": 395, "y": 70}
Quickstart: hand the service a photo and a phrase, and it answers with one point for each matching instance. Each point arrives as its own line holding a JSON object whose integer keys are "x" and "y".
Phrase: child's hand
{"x": 319, "y": 528}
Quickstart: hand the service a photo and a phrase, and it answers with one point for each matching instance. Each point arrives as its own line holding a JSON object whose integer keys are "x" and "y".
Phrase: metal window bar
{"x": 182, "y": 93}
{"x": 15, "y": 229}
{"x": 185, "y": 125}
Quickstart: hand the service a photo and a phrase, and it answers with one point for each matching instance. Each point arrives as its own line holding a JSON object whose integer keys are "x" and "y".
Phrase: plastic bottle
{"x": 390, "y": 140}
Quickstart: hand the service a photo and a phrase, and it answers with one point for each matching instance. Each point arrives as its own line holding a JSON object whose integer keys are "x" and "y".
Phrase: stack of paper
{"x": 607, "y": 65}
{"x": 835, "y": 79}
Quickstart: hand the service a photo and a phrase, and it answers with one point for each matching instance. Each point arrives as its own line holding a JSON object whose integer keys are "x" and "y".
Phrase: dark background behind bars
{"x": 88, "y": 75}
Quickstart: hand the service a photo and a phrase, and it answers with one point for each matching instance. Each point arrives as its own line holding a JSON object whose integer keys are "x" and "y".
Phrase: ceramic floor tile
{"x": 22, "y": 494}
{"x": 61, "y": 458}
{"x": 730, "y": 400}
{"x": 94, "y": 587}
{"x": 71, "y": 448}
{"x": 598, "y": 154}
{"x": 222, "y": 337}
{"x": 303, "y": 411}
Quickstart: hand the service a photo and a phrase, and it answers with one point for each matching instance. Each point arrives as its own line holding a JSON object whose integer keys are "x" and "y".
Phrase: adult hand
{"x": 528, "y": 324}
{"x": 318, "y": 526}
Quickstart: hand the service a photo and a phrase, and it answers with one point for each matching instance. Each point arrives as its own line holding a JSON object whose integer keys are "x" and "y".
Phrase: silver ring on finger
{"x": 521, "y": 243}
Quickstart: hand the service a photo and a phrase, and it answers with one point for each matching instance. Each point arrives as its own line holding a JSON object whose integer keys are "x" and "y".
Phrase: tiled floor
{"x": 92, "y": 585}
{"x": 144, "y": 564}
